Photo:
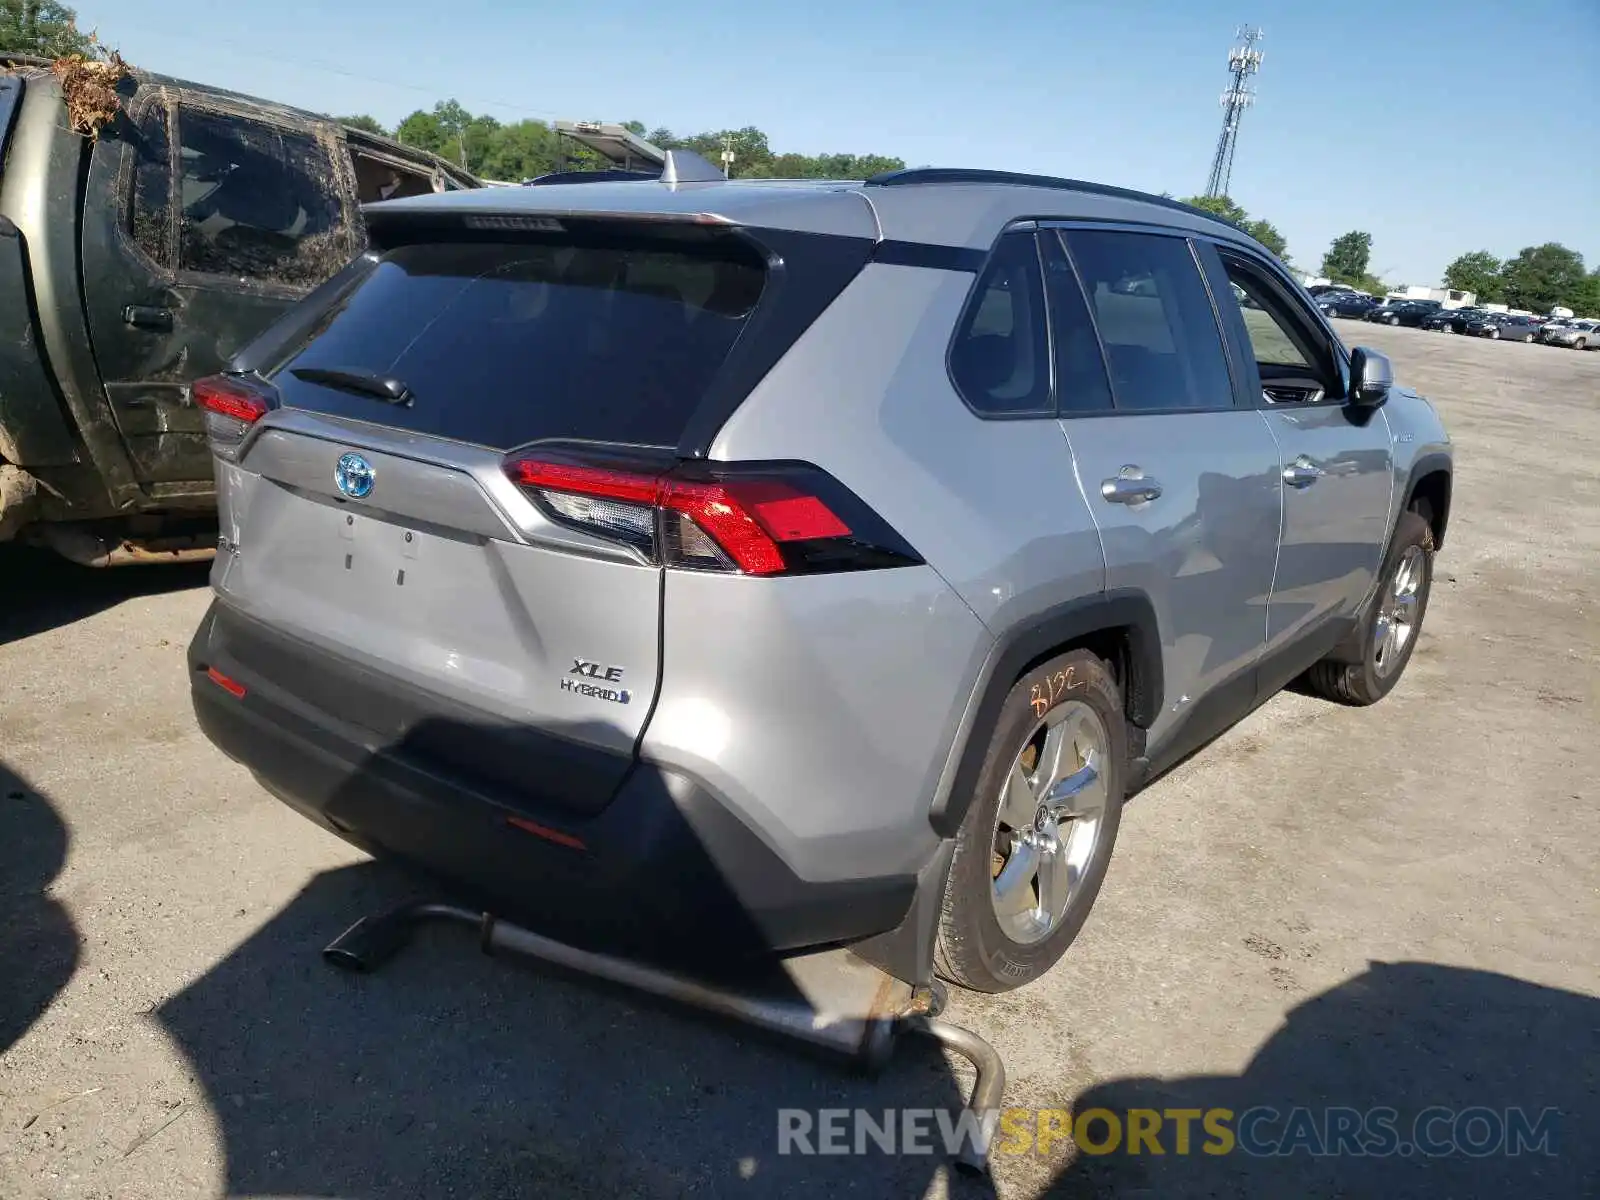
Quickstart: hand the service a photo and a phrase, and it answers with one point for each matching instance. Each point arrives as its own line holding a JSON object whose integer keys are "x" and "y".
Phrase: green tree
{"x": 1477, "y": 272}
{"x": 362, "y": 121}
{"x": 1347, "y": 258}
{"x": 43, "y": 27}
{"x": 1221, "y": 206}
{"x": 1267, "y": 234}
{"x": 1262, "y": 230}
{"x": 422, "y": 130}
{"x": 1587, "y": 302}
{"x": 1542, "y": 277}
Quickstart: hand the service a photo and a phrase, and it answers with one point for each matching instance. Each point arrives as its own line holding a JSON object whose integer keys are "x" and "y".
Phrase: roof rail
{"x": 685, "y": 166}
{"x": 935, "y": 175}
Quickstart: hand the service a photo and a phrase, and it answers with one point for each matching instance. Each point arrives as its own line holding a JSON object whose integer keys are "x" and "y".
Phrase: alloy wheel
{"x": 1397, "y": 619}
{"x": 1052, "y": 809}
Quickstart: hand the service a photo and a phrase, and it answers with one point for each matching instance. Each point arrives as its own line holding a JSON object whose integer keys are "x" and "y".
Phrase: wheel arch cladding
{"x": 1119, "y": 626}
{"x": 1429, "y": 493}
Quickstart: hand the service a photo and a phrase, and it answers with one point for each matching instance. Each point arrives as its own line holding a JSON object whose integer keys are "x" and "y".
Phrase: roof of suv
{"x": 939, "y": 207}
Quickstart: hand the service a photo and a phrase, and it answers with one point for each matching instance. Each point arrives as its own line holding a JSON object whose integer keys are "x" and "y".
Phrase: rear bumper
{"x": 665, "y": 864}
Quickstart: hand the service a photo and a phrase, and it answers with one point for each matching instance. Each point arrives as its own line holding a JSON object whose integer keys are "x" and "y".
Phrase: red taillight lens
{"x": 748, "y": 518}
{"x": 231, "y": 404}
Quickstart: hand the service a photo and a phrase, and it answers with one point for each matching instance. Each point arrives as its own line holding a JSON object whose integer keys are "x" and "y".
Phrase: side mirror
{"x": 1371, "y": 377}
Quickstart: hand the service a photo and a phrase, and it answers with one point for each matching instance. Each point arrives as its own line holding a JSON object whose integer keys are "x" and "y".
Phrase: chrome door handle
{"x": 1129, "y": 486}
{"x": 1302, "y": 473}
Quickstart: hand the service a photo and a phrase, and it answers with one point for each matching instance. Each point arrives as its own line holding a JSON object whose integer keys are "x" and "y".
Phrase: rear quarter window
{"x": 506, "y": 343}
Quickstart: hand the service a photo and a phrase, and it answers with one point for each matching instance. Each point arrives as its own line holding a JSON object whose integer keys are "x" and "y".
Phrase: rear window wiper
{"x": 366, "y": 383}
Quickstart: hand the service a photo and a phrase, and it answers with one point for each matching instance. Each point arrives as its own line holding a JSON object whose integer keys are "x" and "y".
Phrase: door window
{"x": 1291, "y": 357}
{"x": 1081, "y": 382}
{"x": 257, "y": 203}
{"x": 150, "y": 206}
{"x": 1155, "y": 320}
{"x": 1000, "y": 359}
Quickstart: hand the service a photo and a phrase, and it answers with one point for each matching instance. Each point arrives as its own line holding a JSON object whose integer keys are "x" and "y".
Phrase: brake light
{"x": 754, "y": 519}
{"x": 231, "y": 404}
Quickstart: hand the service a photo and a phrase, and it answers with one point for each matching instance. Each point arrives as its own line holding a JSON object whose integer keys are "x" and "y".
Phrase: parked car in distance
{"x": 1345, "y": 304}
{"x": 1404, "y": 312}
{"x": 1322, "y": 289}
{"x": 1453, "y": 320}
{"x": 137, "y": 260}
{"x": 1504, "y": 326}
{"x": 1581, "y": 334}
{"x": 619, "y": 581}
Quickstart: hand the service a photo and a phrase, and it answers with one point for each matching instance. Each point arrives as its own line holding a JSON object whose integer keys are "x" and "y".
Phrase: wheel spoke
{"x": 1081, "y": 794}
{"x": 1013, "y": 887}
{"x": 1018, "y": 804}
{"x": 1055, "y": 883}
{"x": 1405, "y": 609}
{"x": 1060, "y": 741}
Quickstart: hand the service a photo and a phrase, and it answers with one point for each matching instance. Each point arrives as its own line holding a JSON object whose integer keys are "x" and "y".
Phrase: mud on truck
{"x": 149, "y": 228}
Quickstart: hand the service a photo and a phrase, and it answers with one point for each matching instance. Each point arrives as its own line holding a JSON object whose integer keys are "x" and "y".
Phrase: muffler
{"x": 831, "y": 1000}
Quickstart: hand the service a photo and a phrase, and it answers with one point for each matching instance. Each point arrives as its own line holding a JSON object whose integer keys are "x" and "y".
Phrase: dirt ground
{"x": 1391, "y": 907}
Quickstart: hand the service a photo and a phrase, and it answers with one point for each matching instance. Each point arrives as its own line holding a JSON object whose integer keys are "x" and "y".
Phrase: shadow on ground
{"x": 452, "y": 1074}
{"x": 1407, "y": 1037}
{"x": 38, "y": 943}
{"x": 43, "y": 591}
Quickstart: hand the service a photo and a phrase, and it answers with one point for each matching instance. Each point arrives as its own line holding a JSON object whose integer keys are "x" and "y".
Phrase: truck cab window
{"x": 258, "y": 203}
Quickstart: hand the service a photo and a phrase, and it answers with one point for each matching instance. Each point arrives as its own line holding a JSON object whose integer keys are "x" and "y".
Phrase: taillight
{"x": 231, "y": 403}
{"x": 754, "y": 519}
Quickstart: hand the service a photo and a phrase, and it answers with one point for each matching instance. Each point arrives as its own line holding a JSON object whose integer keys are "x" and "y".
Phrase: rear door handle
{"x": 1129, "y": 486}
{"x": 1302, "y": 473}
{"x": 142, "y": 316}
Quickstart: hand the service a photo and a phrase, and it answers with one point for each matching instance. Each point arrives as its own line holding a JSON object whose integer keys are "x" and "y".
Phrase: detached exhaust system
{"x": 830, "y": 1000}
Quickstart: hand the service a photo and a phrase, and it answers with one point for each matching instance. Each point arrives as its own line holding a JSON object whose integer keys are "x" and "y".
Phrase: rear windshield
{"x": 500, "y": 344}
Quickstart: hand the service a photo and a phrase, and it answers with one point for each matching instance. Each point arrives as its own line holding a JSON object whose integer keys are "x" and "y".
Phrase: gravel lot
{"x": 1395, "y": 906}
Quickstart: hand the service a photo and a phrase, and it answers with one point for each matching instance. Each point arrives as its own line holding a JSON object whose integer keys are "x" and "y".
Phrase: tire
{"x": 1394, "y": 320}
{"x": 1579, "y": 344}
{"x": 1373, "y": 675}
{"x": 1494, "y": 335}
{"x": 1528, "y": 339}
{"x": 979, "y": 947}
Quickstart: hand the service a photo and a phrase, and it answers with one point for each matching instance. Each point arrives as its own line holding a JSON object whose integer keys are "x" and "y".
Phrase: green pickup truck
{"x": 139, "y": 256}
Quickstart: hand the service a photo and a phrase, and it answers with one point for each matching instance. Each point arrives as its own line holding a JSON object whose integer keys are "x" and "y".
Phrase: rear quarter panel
{"x": 994, "y": 508}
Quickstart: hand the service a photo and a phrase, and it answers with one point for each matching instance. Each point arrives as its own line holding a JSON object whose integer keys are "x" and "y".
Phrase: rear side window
{"x": 258, "y": 202}
{"x": 1000, "y": 358}
{"x": 503, "y": 344}
{"x": 1155, "y": 320}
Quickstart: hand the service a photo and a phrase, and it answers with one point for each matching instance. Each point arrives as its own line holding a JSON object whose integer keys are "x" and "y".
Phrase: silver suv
{"x": 752, "y": 566}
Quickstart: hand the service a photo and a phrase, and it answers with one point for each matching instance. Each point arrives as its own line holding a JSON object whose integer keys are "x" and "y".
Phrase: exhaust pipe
{"x": 90, "y": 549}
{"x": 828, "y": 1000}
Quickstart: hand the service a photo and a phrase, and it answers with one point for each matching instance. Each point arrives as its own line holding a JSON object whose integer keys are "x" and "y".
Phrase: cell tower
{"x": 1244, "y": 60}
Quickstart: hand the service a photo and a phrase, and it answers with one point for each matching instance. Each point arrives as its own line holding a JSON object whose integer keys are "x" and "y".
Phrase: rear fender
{"x": 1126, "y": 612}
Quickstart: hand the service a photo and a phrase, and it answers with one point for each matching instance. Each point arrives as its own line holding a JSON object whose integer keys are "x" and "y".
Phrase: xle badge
{"x": 578, "y": 680}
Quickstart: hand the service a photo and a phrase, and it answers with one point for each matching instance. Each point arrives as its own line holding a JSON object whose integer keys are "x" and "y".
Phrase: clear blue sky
{"x": 1440, "y": 126}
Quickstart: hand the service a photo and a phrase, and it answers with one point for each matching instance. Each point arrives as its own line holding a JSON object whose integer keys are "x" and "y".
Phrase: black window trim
{"x": 1030, "y": 228}
{"x": 177, "y": 102}
{"x": 1237, "y": 399}
{"x": 1314, "y": 320}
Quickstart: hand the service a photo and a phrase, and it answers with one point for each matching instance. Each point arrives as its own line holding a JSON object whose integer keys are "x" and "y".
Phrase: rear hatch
{"x": 433, "y": 609}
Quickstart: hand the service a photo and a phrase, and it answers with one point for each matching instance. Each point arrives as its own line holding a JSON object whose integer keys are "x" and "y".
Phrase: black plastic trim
{"x": 1050, "y": 631}
{"x": 1430, "y": 464}
{"x": 1230, "y": 701}
{"x": 933, "y": 257}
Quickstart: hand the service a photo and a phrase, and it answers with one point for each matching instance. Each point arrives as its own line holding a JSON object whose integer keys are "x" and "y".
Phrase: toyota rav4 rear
{"x": 483, "y": 602}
